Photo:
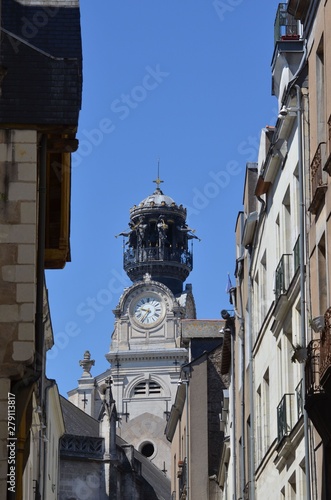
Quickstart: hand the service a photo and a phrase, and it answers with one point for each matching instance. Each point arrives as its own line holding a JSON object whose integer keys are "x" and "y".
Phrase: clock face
{"x": 148, "y": 310}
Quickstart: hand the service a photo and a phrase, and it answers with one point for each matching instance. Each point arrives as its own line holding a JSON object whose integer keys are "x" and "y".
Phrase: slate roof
{"x": 76, "y": 422}
{"x": 41, "y": 52}
{"x": 201, "y": 346}
{"x": 154, "y": 478}
{"x": 155, "y": 484}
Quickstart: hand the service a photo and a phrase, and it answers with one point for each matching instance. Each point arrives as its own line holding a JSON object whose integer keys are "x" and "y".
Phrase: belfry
{"x": 145, "y": 353}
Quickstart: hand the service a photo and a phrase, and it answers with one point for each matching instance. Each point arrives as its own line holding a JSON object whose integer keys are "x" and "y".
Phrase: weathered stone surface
{"x": 10, "y": 211}
{"x": 7, "y": 292}
{"x": 8, "y": 254}
{"x": 23, "y": 352}
{"x": 8, "y": 333}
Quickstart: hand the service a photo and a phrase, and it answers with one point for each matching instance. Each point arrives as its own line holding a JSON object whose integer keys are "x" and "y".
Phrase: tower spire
{"x": 158, "y": 181}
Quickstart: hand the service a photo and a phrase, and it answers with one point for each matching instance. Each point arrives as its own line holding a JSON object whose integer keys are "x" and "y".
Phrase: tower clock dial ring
{"x": 147, "y": 311}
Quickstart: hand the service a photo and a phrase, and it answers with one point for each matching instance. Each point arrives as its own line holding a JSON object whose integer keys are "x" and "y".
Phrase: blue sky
{"x": 186, "y": 82}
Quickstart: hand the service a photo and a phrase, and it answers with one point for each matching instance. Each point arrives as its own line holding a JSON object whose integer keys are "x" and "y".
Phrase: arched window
{"x": 147, "y": 388}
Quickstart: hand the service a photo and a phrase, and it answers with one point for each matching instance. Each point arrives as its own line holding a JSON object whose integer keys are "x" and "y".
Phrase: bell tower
{"x": 145, "y": 352}
{"x": 158, "y": 241}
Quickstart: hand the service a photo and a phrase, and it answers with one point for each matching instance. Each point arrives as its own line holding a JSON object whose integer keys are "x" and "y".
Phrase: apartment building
{"x": 279, "y": 413}
{"x": 40, "y": 97}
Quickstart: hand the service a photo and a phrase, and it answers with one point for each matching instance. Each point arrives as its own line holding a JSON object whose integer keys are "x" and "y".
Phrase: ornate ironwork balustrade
{"x": 325, "y": 345}
{"x": 153, "y": 254}
{"x": 312, "y": 368}
{"x": 285, "y": 416}
{"x": 283, "y": 275}
{"x": 82, "y": 446}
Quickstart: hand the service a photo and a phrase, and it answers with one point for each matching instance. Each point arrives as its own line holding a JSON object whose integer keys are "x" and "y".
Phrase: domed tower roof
{"x": 158, "y": 239}
{"x": 157, "y": 198}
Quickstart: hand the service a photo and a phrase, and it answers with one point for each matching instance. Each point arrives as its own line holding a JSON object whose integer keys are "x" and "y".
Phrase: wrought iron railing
{"x": 299, "y": 399}
{"x": 92, "y": 447}
{"x": 285, "y": 417}
{"x": 183, "y": 479}
{"x": 296, "y": 255}
{"x": 285, "y": 27}
{"x": 153, "y": 254}
{"x": 312, "y": 368}
{"x": 283, "y": 275}
{"x": 316, "y": 167}
{"x": 325, "y": 344}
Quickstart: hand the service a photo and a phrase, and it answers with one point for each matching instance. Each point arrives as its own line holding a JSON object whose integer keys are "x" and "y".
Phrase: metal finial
{"x": 158, "y": 180}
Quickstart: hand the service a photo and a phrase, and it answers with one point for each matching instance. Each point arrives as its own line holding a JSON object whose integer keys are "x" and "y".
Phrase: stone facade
{"x": 38, "y": 123}
{"x": 79, "y": 479}
{"x": 193, "y": 427}
{"x": 18, "y": 239}
{"x": 278, "y": 355}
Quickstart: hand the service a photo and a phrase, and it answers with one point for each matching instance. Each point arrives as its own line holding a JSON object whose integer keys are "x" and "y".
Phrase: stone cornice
{"x": 155, "y": 354}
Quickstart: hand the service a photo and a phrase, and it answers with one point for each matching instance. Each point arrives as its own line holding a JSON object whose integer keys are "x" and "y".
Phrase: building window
{"x": 258, "y": 313}
{"x": 263, "y": 287}
{"x": 266, "y": 410}
{"x": 287, "y": 227}
{"x": 147, "y": 388}
{"x": 320, "y": 91}
{"x": 277, "y": 236}
{"x": 322, "y": 276}
{"x": 147, "y": 449}
{"x": 259, "y": 451}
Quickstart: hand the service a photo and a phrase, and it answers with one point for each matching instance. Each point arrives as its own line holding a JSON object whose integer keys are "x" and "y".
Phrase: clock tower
{"x": 145, "y": 353}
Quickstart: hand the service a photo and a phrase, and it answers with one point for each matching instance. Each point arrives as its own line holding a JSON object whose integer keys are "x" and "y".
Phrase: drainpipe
{"x": 187, "y": 443}
{"x": 229, "y": 327}
{"x": 302, "y": 238}
{"x": 242, "y": 399}
{"x": 234, "y": 438}
{"x": 185, "y": 381}
{"x": 251, "y": 382}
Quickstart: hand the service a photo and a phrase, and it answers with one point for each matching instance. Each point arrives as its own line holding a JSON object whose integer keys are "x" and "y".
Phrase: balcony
{"x": 289, "y": 46}
{"x": 157, "y": 254}
{"x": 296, "y": 255}
{"x": 318, "y": 182}
{"x": 285, "y": 273}
{"x": 318, "y": 401}
{"x": 285, "y": 27}
{"x": 170, "y": 264}
{"x": 325, "y": 354}
{"x": 182, "y": 476}
{"x": 299, "y": 399}
{"x": 285, "y": 416}
{"x": 289, "y": 431}
{"x": 312, "y": 368}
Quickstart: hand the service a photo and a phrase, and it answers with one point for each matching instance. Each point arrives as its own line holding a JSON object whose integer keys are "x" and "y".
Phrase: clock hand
{"x": 145, "y": 315}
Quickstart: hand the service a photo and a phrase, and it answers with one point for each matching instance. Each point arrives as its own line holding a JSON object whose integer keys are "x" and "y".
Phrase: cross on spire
{"x": 158, "y": 181}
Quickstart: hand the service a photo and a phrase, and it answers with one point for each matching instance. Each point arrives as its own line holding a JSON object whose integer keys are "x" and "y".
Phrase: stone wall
{"x": 18, "y": 240}
{"x": 81, "y": 480}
